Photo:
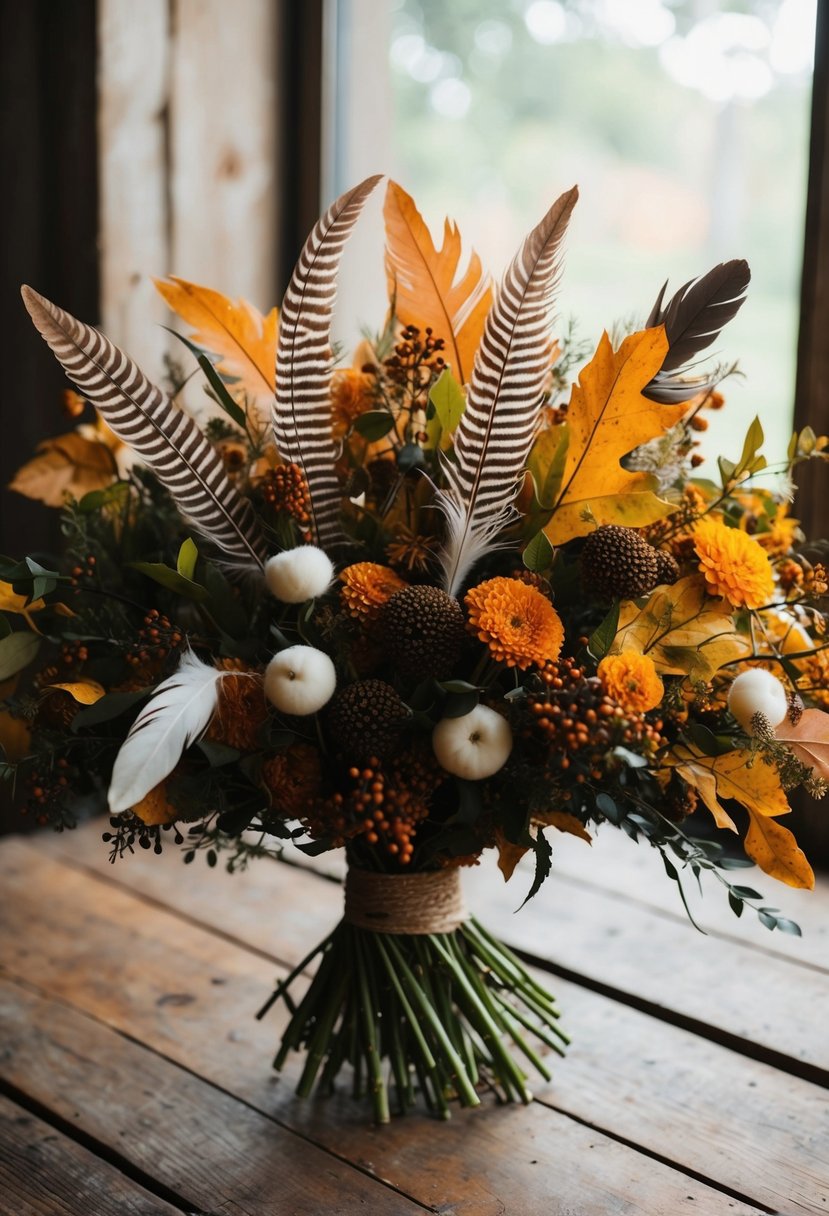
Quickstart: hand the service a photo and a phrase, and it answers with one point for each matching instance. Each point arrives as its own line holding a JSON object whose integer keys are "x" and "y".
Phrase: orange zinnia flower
{"x": 631, "y": 680}
{"x": 518, "y": 624}
{"x": 367, "y": 586}
{"x": 735, "y": 566}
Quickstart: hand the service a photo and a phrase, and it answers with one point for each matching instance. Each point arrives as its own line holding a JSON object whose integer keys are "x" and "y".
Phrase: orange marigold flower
{"x": 735, "y": 566}
{"x": 631, "y": 680}
{"x": 518, "y": 624}
{"x": 367, "y": 586}
{"x": 352, "y": 393}
{"x": 292, "y": 779}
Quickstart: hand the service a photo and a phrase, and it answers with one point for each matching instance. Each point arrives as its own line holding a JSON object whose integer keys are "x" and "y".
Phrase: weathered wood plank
{"x": 206, "y": 1146}
{"x": 219, "y": 1153}
{"x": 44, "y": 1173}
{"x": 133, "y": 72}
{"x": 729, "y": 991}
{"x": 678, "y": 1096}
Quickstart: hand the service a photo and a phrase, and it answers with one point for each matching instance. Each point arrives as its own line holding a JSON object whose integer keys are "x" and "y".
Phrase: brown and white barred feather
{"x": 165, "y": 438}
{"x": 302, "y": 410}
{"x": 494, "y": 436}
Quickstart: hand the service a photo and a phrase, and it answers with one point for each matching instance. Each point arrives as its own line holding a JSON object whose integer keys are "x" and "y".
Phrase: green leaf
{"x": 188, "y": 555}
{"x": 230, "y": 407}
{"x": 746, "y": 893}
{"x": 706, "y": 741}
{"x": 751, "y": 444}
{"x": 460, "y": 703}
{"x": 602, "y": 638}
{"x": 172, "y": 580}
{"x": 111, "y": 706}
{"x": 457, "y": 686}
{"x": 543, "y": 865}
{"x": 735, "y": 903}
{"x": 96, "y": 500}
{"x": 16, "y": 652}
{"x": 225, "y": 606}
{"x": 217, "y": 754}
{"x": 788, "y": 926}
{"x": 608, "y": 807}
{"x": 767, "y": 919}
{"x": 727, "y": 469}
{"x": 446, "y": 395}
{"x": 374, "y": 424}
{"x": 538, "y": 555}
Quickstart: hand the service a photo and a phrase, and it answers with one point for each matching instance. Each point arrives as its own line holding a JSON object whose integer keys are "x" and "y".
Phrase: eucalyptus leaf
{"x": 459, "y": 704}
{"x": 374, "y": 425}
{"x": 539, "y": 553}
{"x": 16, "y": 652}
{"x": 167, "y": 577}
{"x": 230, "y": 407}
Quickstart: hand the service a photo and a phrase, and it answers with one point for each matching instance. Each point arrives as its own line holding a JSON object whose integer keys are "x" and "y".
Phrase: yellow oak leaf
{"x": 808, "y": 739}
{"x": 424, "y": 285}
{"x": 66, "y": 465}
{"x": 737, "y": 774}
{"x": 608, "y": 417}
{"x": 237, "y": 333}
{"x": 683, "y": 630}
{"x": 776, "y": 851}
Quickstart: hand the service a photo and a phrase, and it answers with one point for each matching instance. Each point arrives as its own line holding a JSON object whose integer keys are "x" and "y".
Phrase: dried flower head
{"x": 367, "y": 586}
{"x": 632, "y": 681}
{"x": 292, "y": 778}
{"x": 241, "y": 711}
{"x": 735, "y": 566}
{"x": 518, "y": 624}
{"x": 352, "y": 393}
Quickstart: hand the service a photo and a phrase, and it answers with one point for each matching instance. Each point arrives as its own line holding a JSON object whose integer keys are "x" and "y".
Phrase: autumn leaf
{"x": 67, "y": 465}
{"x": 776, "y": 852}
{"x": 756, "y": 786}
{"x": 682, "y": 629}
{"x": 85, "y": 692}
{"x": 509, "y": 854}
{"x": 608, "y": 417}
{"x": 242, "y": 339}
{"x": 565, "y": 822}
{"x": 424, "y": 285}
{"x": 808, "y": 739}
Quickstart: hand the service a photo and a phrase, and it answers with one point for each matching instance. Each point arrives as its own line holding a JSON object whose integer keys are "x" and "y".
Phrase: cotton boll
{"x": 300, "y": 574}
{"x": 473, "y": 746}
{"x": 757, "y": 692}
{"x": 300, "y": 680}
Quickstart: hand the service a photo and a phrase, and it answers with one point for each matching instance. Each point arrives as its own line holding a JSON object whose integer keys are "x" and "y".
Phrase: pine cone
{"x": 365, "y": 718}
{"x": 423, "y": 629}
{"x": 617, "y": 562}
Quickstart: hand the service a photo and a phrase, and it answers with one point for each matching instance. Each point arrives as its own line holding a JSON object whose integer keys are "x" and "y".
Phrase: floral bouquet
{"x": 432, "y": 604}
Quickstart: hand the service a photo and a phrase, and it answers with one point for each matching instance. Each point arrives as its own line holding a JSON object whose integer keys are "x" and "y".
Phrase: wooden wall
{"x": 189, "y": 151}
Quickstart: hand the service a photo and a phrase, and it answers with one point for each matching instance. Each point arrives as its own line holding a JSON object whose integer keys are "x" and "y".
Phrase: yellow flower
{"x": 782, "y": 534}
{"x": 518, "y": 624}
{"x": 631, "y": 680}
{"x": 367, "y": 586}
{"x": 735, "y": 566}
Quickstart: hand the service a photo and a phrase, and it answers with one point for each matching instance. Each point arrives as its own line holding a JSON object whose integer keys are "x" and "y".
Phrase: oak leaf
{"x": 776, "y": 852}
{"x": 565, "y": 822}
{"x": 70, "y": 464}
{"x": 745, "y": 778}
{"x": 607, "y": 418}
{"x": 241, "y": 338}
{"x": 424, "y": 285}
{"x": 682, "y": 629}
{"x": 808, "y": 739}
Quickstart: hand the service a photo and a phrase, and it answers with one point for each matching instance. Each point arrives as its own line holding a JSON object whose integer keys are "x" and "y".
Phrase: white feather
{"x": 178, "y": 713}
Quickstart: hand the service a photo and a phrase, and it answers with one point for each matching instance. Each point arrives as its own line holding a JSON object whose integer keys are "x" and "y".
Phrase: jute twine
{"x": 405, "y": 903}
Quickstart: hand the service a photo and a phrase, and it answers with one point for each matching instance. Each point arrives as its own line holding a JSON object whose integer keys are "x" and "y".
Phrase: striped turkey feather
{"x": 304, "y": 364}
{"x": 497, "y": 428}
{"x": 165, "y": 438}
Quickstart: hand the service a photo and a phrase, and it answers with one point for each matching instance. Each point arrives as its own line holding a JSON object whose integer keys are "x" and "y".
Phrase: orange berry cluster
{"x": 415, "y": 360}
{"x": 383, "y": 805}
{"x": 85, "y": 571}
{"x": 579, "y": 724}
{"x": 73, "y": 654}
{"x": 285, "y": 489}
{"x": 45, "y": 790}
{"x": 156, "y": 640}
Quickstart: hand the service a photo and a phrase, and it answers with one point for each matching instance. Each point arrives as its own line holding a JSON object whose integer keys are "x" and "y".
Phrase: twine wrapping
{"x": 405, "y": 903}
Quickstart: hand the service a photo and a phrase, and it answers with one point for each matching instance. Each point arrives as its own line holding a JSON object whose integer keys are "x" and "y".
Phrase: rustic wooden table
{"x": 135, "y": 1079}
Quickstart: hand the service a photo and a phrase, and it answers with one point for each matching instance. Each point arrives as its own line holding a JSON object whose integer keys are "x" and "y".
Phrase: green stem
{"x": 379, "y": 1093}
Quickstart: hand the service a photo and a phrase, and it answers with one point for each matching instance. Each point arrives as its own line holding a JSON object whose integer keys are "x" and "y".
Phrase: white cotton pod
{"x": 473, "y": 746}
{"x": 300, "y": 574}
{"x": 300, "y": 680}
{"x": 757, "y": 692}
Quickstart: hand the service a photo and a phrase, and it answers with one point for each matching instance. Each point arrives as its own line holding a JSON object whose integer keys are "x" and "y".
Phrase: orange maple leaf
{"x": 608, "y": 417}
{"x": 242, "y": 339}
{"x": 423, "y": 281}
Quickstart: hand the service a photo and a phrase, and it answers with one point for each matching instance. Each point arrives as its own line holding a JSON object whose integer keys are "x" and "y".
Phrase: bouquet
{"x": 442, "y": 601}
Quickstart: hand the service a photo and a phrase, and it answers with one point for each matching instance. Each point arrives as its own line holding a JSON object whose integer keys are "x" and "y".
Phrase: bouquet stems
{"x": 431, "y": 1013}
